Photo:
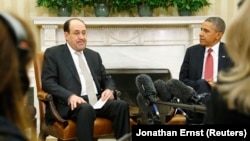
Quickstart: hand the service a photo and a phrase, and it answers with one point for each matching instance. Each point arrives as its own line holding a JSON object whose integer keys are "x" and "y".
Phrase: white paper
{"x": 100, "y": 103}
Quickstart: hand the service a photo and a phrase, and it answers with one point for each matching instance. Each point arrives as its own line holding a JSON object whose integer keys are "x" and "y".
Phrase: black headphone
{"x": 16, "y": 29}
{"x": 20, "y": 38}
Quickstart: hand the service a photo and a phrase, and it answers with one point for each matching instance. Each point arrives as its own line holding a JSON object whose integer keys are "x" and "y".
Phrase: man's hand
{"x": 74, "y": 100}
{"x": 107, "y": 93}
{"x": 211, "y": 82}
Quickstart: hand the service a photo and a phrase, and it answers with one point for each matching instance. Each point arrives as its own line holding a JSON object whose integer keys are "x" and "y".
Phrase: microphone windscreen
{"x": 144, "y": 109}
{"x": 146, "y": 87}
{"x": 162, "y": 91}
{"x": 180, "y": 90}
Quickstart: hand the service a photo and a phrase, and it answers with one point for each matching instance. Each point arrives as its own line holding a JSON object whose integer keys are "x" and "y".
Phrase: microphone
{"x": 156, "y": 109}
{"x": 180, "y": 90}
{"x": 162, "y": 91}
{"x": 147, "y": 97}
{"x": 149, "y": 113}
{"x": 146, "y": 87}
{"x": 168, "y": 96}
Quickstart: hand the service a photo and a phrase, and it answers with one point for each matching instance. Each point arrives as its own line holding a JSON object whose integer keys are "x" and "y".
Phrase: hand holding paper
{"x": 100, "y": 103}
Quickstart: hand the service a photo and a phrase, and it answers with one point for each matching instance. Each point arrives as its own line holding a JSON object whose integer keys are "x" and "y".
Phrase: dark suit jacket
{"x": 191, "y": 68}
{"x": 60, "y": 77}
{"x": 219, "y": 113}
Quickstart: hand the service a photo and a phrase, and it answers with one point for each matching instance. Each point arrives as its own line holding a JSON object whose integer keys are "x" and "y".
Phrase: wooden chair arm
{"x": 117, "y": 94}
{"x": 47, "y": 99}
{"x": 42, "y": 96}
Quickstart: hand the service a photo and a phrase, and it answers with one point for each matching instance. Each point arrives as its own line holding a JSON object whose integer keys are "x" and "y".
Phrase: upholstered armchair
{"x": 63, "y": 130}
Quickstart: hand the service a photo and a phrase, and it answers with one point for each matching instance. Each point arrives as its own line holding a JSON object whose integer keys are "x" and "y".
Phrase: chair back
{"x": 38, "y": 62}
{"x": 61, "y": 129}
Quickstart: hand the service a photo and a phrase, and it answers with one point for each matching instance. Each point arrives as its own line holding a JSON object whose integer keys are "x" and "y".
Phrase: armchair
{"x": 63, "y": 130}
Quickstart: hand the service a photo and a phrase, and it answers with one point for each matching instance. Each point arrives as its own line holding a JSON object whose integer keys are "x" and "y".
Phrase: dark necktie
{"x": 209, "y": 65}
{"x": 88, "y": 80}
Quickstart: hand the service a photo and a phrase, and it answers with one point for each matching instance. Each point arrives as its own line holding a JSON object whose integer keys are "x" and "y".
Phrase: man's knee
{"x": 124, "y": 104}
{"x": 86, "y": 110}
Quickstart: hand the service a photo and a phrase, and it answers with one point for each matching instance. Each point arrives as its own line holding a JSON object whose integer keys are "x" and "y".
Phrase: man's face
{"x": 77, "y": 37}
{"x": 209, "y": 36}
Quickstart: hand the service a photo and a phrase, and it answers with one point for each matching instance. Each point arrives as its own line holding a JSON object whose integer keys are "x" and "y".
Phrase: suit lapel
{"x": 89, "y": 60}
{"x": 200, "y": 54}
{"x": 222, "y": 57}
{"x": 67, "y": 58}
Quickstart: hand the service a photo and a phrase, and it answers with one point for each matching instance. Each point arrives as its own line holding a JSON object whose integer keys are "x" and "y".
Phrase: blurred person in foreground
{"x": 230, "y": 100}
{"x": 17, "y": 50}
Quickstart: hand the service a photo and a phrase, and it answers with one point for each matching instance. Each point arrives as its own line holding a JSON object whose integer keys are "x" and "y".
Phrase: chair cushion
{"x": 103, "y": 127}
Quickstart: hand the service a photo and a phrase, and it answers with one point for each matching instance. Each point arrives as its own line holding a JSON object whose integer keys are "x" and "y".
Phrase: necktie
{"x": 209, "y": 66}
{"x": 88, "y": 79}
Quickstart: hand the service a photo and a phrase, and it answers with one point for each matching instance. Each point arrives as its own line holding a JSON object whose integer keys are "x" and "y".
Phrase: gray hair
{"x": 218, "y": 22}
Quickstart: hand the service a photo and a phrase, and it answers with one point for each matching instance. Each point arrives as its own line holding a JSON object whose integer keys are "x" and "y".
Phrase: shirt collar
{"x": 215, "y": 48}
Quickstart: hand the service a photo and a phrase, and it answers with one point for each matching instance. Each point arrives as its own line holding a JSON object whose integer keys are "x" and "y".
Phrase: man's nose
{"x": 81, "y": 36}
{"x": 201, "y": 33}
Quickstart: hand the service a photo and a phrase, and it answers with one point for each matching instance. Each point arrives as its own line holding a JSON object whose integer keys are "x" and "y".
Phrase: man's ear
{"x": 219, "y": 35}
{"x": 66, "y": 34}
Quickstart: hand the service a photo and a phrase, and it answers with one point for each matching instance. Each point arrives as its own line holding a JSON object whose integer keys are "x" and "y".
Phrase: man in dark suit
{"x": 62, "y": 77}
{"x": 192, "y": 71}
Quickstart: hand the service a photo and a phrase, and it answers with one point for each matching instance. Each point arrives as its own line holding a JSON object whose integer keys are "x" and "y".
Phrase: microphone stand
{"x": 192, "y": 107}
